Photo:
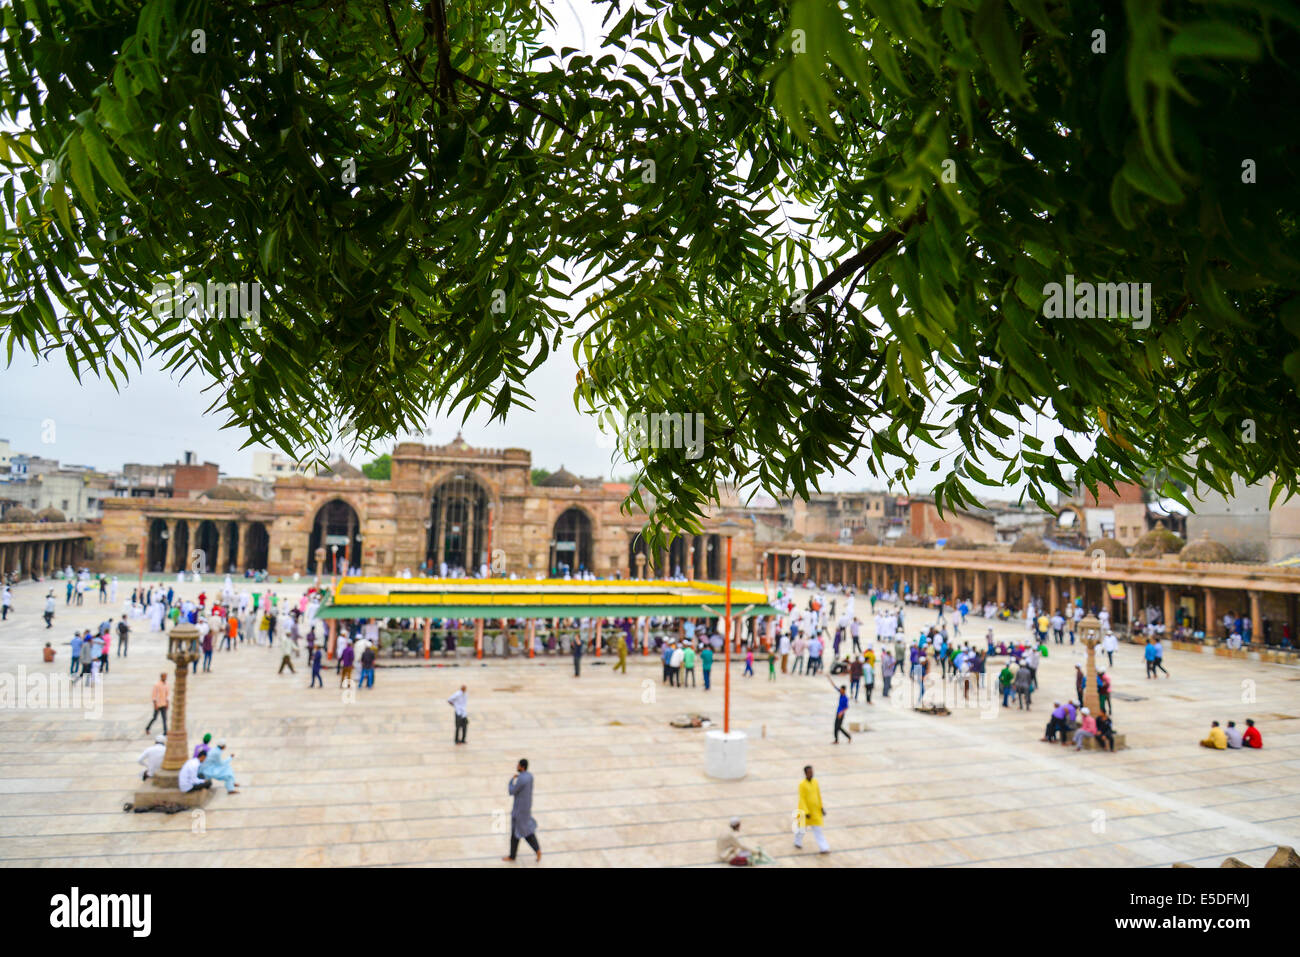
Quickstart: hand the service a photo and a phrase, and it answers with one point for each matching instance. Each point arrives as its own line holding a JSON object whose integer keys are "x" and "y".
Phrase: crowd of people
{"x": 821, "y": 634}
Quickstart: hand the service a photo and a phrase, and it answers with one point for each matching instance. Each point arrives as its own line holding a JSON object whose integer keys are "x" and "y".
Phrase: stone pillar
{"x": 178, "y": 748}
{"x": 599, "y": 622}
{"x": 471, "y": 558}
{"x": 977, "y": 590}
{"x": 169, "y": 552}
{"x": 478, "y": 637}
{"x": 1090, "y": 699}
{"x": 1026, "y": 592}
{"x": 952, "y": 593}
{"x": 241, "y": 546}
{"x": 690, "y": 558}
{"x": 1256, "y": 627}
{"x": 218, "y": 566}
{"x": 1168, "y": 609}
{"x": 334, "y": 639}
{"x": 1211, "y": 615}
{"x": 531, "y": 636}
{"x": 172, "y": 558}
{"x": 428, "y": 622}
{"x": 442, "y": 533}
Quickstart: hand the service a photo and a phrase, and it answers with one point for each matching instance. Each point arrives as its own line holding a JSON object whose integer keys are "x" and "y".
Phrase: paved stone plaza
{"x": 329, "y": 781}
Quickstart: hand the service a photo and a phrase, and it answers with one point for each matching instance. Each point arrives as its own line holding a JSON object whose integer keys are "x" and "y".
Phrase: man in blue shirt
{"x": 76, "y": 652}
{"x": 815, "y": 649}
{"x": 840, "y": 710}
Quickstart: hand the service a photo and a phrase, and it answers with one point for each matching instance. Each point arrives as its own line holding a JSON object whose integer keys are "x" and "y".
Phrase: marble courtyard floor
{"x": 327, "y": 780}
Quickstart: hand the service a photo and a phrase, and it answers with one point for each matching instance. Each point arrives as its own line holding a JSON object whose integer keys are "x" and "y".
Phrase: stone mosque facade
{"x": 452, "y": 505}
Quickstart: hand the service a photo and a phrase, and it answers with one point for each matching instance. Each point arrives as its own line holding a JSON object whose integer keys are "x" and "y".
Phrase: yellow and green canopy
{"x": 365, "y": 597}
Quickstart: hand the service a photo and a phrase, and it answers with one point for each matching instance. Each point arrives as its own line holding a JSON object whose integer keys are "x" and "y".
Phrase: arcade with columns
{"x": 1187, "y": 591}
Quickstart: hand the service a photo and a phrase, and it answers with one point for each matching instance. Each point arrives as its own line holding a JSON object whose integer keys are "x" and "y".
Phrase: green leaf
{"x": 79, "y": 168}
{"x": 1001, "y": 49}
{"x": 102, "y": 160}
{"x": 1214, "y": 40}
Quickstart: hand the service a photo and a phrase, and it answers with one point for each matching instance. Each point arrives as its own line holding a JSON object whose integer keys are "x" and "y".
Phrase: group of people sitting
{"x": 1233, "y": 737}
{"x": 208, "y": 763}
{"x": 1069, "y": 723}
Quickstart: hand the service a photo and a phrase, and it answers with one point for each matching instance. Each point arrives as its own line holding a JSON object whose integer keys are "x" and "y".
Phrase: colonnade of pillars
{"x": 232, "y": 549}
{"x": 43, "y": 557}
{"x": 695, "y": 556}
{"x": 1051, "y": 592}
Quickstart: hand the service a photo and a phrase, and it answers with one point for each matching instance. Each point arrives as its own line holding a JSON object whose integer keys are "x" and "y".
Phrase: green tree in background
{"x": 540, "y": 476}
{"x": 830, "y": 228}
{"x": 380, "y": 468}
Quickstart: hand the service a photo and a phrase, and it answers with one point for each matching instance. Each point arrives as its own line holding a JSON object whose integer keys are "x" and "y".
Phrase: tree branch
{"x": 517, "y": 100}
{"x": 406, "y": 61}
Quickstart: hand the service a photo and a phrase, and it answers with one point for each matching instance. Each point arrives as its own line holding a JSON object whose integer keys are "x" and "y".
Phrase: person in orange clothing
{"x": 160, "y": 697}
{"x": 1251, "y": 738}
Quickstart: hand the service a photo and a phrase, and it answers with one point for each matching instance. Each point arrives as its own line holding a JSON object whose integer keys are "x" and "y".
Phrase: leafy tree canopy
{"x": 828, "y": 227}
{"x": 540, "y": 475}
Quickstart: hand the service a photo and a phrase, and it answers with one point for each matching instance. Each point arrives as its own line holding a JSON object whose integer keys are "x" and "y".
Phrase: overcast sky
{"x": 156, "y": 418}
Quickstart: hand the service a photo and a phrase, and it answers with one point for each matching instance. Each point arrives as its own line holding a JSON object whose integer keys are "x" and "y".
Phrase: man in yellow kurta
{"x": 810, "y": 813}
{"x": 1217, "y": 739}
{"x": 622, "y": 655}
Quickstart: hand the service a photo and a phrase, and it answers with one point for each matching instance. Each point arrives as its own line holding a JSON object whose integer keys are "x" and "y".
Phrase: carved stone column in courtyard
{"x": 183, "y": 649}
{"x": 1211, "y": 615}
{"x": 1168, "y": 610}
{"x": 1090, "y": 634}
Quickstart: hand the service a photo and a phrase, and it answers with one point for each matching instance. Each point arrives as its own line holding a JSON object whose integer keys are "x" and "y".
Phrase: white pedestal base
{"x": 724, "y": 754}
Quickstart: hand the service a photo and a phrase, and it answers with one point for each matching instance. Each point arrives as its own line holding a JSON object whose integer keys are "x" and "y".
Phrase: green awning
{"x": 490, "y": 612}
